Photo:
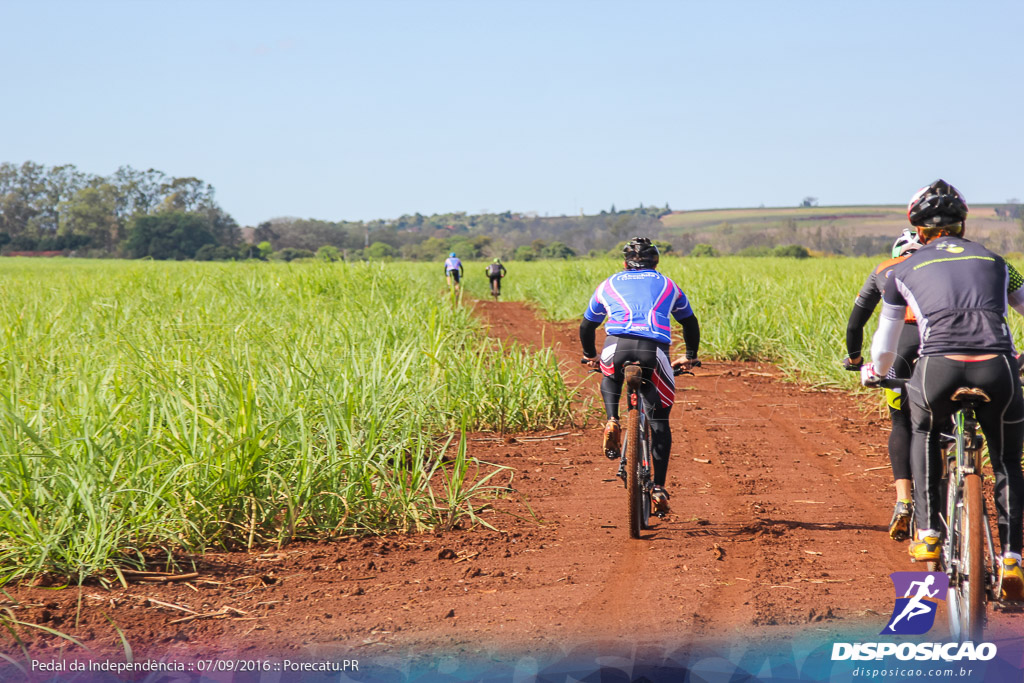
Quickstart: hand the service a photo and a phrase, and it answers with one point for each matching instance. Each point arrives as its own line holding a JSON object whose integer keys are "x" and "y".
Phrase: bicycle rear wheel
{"x": 971, "y": 588}
{"x": 634, "y": 493}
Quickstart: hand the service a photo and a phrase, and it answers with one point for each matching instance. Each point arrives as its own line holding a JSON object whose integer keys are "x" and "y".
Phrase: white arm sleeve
{"x": 887, "y": 337}
{"x": 1016, "y": 300}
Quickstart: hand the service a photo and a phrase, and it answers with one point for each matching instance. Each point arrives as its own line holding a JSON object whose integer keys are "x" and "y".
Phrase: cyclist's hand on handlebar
{"x": 853, "y": 364}
{"x": 590, "y": 363}
{"x": 868, "y": 376}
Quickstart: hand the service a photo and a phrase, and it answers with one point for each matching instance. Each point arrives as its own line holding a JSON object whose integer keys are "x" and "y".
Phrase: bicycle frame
{"x": 972, "y": 577}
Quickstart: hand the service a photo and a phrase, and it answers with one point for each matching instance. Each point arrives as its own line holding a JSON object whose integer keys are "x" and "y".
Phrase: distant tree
{"x": 809, "y": 202}
{"x": 224, "y": 252}
{"x": 328, "y": 252}
{"x": 524, "y": 253}
{"x": 791, "y": 251}
{"x": 138, "y": 192}
{"x": 291, "y": 253}
{"x": 173, "y": 235}
{"x": 264, "y": 250}
{"x": 557, "y": 250}
{"x": 704, "y": 250}
{"x": 186, "y": 194}
{"x": 379, "y": 251}
{"x": 92, "y": 212}
{"x": 759, "y": 251}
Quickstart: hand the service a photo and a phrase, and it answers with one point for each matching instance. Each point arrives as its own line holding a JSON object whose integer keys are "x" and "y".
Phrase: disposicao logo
{"x": 917, "y": 599}
{"x": 914, "y": 613}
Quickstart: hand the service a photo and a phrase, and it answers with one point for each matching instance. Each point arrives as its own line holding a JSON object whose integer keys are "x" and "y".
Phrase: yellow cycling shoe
{"x": 925, "y": 550}
{"x": 1012, "y": 580}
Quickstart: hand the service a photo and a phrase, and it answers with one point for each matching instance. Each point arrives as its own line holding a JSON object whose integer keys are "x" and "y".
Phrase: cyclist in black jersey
{"x": 959, "y": 292}
{"x": 899, "y": 410}
{"x": 495, "y": 271}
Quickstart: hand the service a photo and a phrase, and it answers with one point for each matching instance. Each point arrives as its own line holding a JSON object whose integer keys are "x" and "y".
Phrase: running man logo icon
{"x": 914, "y": 613}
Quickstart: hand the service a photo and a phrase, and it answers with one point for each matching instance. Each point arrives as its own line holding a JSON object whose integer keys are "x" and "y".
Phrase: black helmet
{"x": 938, "y": 205}
{"x": 640, "y": 253}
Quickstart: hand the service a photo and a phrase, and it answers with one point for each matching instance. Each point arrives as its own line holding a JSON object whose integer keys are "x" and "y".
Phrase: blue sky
{"x": 361, "y": 110}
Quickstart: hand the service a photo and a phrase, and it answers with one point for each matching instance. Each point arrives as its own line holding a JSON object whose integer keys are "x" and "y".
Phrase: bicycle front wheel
{"x": 971, "y": 587}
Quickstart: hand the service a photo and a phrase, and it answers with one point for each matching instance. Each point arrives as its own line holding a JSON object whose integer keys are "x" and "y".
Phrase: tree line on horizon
{"x": 130, "y": 213}
{"x": 149, "y": 214}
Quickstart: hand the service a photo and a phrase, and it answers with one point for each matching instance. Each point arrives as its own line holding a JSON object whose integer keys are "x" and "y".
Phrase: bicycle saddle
{"x": 970, "y": 394}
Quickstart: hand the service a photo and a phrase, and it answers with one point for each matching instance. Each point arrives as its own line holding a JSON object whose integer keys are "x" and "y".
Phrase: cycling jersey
{"x": 959, "y": 292}
{"x": 495, "y": 270}
{"x": 638, "y": 303}
{"x": 452, "y": 263}
{"x": 871, "y": 293}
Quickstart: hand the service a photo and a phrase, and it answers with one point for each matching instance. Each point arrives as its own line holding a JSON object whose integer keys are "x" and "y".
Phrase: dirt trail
{"x": 780, "y": 500}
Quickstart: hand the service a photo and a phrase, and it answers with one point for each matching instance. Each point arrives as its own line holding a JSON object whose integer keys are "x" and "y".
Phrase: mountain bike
{"x": 636, "y": 467}
{"x": 495, "y": 287}
{"x": 968, "y": 555}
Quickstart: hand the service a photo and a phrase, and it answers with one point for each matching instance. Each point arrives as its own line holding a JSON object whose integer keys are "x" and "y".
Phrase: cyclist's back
{"x": 637, "y": 306}
{"x": 453, "y": 270}
{"x": 959, "y": 293}
{"x": 639, "y": 303}
{"x": 961, "y": 304}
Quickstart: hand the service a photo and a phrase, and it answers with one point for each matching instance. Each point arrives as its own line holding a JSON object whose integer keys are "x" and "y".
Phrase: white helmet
{"x": 905, "y": 243}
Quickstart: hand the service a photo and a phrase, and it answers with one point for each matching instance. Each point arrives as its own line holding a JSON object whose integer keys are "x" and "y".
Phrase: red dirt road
{"x": 780, "y": 499}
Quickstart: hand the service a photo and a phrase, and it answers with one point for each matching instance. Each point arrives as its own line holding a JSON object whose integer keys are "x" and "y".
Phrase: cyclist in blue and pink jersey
{"x": 453, "y": 269}
{"x": 637, "y": 306}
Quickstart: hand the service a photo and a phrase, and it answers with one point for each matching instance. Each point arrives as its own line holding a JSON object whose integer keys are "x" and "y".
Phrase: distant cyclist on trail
{"x": 959, "y": 293}
{"x": 453, "y": 270}
{"x": 906, "y": 355}
{"x": 495, "y": 271}
{"x": 639, "y": 303}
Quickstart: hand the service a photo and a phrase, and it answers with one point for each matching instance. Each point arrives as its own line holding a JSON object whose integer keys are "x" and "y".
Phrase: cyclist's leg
{"x": 662, "y": 396}
{"x": 899, "y": 445}
{"x": 611, "y": 368}
{"x": 899, "y": 437}
{"x": 1002, "y": 422}
{"x": 934, "y": 381}
{"x": 899, "y": 458}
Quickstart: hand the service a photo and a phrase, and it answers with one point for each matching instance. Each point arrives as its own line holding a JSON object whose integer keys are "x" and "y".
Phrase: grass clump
{"x": 162, "y": 406}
